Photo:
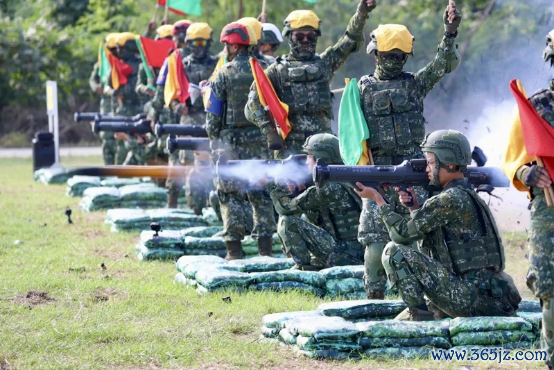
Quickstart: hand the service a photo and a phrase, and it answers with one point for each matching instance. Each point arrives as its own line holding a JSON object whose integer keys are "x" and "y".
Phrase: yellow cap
{"x": 394, "y": 36}
{"x": 111, "y": 39}
{"x": 303, "y": 18}
{"x": 165, "y": 31}
{"x": 254, "y": 23}
{"x": 199, "y": 31}
{"x": 124, "y": 37}
{"x": 251, "y": 34}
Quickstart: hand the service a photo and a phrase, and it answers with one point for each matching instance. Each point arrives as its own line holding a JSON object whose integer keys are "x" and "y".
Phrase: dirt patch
{"x": 33, "y": 298}
{"x": 110, "y": 254}
{"x": 104, "y": 294}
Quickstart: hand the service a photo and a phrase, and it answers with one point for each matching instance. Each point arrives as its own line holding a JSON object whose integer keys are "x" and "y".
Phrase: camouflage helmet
{"x": 548, "y": 53}
{"x": 301, "y": 20}
{"x": 449, "y": 146}
{"x": 323, "y": 146}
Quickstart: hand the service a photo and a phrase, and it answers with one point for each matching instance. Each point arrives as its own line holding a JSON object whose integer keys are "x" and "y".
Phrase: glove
{"x": 366, "y": 6}
{"x": 274, "y": 140}
{"x": 532, "y": 175}
{"x": 451, "y": 18}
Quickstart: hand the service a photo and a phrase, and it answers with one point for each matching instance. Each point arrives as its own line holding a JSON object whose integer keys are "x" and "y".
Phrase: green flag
{"x": 145, "y": 65}
{"x": 311, "y": 1}
{"x": 104, "y": 65}
{"x": 353, "y": 131}
{"x": 186, "y": 7}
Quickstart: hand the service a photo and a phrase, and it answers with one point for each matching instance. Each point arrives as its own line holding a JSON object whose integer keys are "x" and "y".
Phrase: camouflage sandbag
{"x": 311, "y": 344}
{"x": 263, "y": 264}
{"x": 185, "y": 261}
{"x": 182, "y": 279}
{"x": 343, "y": 272}
{"x": 192, "y": 242}
{"x": 201, "y": 231}
{"x": 249, "y": 242}
{"x": 209, "y": 215}
{"x": 306, "y": 277}
{"x": 143, "y": 204}
{"x": 507, "y": 346}
{"x": 206, "y": 252}
{"x": 270, "y": 332}
{"x": 175, "y": 219}
{"x": 146, "y": 254}
{"x": 99, "y": 198}
{"x": 438, "y": 342}
{"x": 328, "y": 354}
{"x": 323, "y": 328}
{"x": 356, "y": 296}
{"x": 165, "y": 239}
{"x": 276, "y": 320}
{"x": 283, "y": 286}
{"x": 55, "y": 175}
{"x": 529, "y": 306}
{"x": 126, "y": 216}
{"x": 142, "y": 192}
{"x": 78, "y": 184}
{"x": 192, "y": 269}
{"x": 250, "y": 250}
{"x": 119, "y": 182}
{"x": 479, "y": 324}
{"x": 403, "y": 329}
{"x": 214, "y": 279}
{"x": 350, "y": 310}
{"x": 286, "y": 337}
{"x": 492, "y": 337}
{"x": 337, "y": 287}
{"x": 534, "y": 318}
{"x": 398, "y": 352}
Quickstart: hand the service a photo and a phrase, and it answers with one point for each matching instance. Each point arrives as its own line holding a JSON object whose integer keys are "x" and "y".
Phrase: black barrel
{"x": 44, "y": 150}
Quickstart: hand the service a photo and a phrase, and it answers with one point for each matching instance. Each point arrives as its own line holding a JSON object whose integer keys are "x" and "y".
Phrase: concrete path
{"x": 64, "y": 152}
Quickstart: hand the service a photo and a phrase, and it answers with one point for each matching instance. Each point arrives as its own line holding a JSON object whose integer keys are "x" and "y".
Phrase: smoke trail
{"x": 253, "y": 172}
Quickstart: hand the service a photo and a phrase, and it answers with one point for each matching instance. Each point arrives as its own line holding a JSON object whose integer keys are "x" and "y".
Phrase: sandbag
{"x": 78, "y": 184}
{"x": 286, "y": 337}
{"x": 146, "y": 254}
{"x": 99, "y": 198}
{"x": 143, "y": 191}
{"x": 213, "y": 279}
{"x": 192, "y": 269}
{"x": 262, "y": 264}
{"x": 529, "y": 306}
{"x": 192, "y": 242}
{"x": 337, "y": 287}
{"x": 343, "y": 272}
{"x": 534, "y": 318}
{"x": 328, "y": 354}
{"x": 205, "y": 252}
{"x": 306, "y": 277}
{"x": 283, "y": 286}
{"x": 492, "y": 337}
{"x": 356, "y": 296}
{"x": 165, "y": 239}
{"x": 182, "y": 279}
{"x": 438, "y": 342}
{"x": 479, "y": 324}
{"x": 185, "y": 261}
{"x": 323, "y": 328}
{"x": 251, "y": 250}
{"x": 311, "y": 344}
{"x": 119, "y": 182}
{"x": 402, "y": 352}
{"x": 270, "y": 332}
{"x": 275, "y": 320}
{"x": 510, "y": 346}
{"x": 404, "y": 329}
{"x": 209, "y": 215}
{"x": 351, "y": 310}
{"x": 201, "y": 231}
{"x": 54, "y": 175}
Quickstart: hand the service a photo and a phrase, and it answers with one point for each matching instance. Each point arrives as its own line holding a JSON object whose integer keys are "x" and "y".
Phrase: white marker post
{"x": 53, "y": 122}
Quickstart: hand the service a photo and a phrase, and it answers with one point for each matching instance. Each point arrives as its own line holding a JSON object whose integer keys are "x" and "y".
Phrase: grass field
{"x": 60, "y": 309}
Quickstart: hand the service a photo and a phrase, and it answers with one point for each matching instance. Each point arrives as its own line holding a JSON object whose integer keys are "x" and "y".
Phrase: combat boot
{"x": 234, "y": 250}
{"x": 377, "y": 294}
{"x": 415, "y": 314}
{"x": 265, "y": 246}
{"x": 172, "y": 200}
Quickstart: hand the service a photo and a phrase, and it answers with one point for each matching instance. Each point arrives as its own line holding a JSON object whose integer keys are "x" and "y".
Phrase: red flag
{"x": 537, "y": 133}
{"x": 269, "y": 99}
{"x": 120, "y": 71}
{"x": 156, "y": 51}
{"x": 162, "y": 2}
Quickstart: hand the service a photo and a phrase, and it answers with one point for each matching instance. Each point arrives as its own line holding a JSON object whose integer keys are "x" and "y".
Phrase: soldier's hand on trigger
{"x": 121, "y": 136}
{"x": 537, "y": 176}
{"x": 407, "y": 196}
{"x": 367, "y": 192}
{"x": 366, "y": 6}
{"x": 451, "y": 18}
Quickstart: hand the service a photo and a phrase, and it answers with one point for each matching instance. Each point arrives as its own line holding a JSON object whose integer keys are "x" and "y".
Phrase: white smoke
{"x": 256, "y": 172}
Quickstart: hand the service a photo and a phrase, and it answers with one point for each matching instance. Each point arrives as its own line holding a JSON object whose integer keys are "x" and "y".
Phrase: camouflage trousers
{"x": 421, "y": 281}
{"x": 109, "y": 150}
{"x": 540, "y": 278}
{"x": 199, "y": 184}
{"x": 121, "y": 152}
{"x": 373, "y": 235}
{"x": 173, "y": 186}
{"x": 303, "y": 240}
{"x": 136, "y": 153}
{"x": 235, "y": 218}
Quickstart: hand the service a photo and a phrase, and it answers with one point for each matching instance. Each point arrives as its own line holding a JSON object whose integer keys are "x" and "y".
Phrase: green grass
{"x": 131, "y": 315}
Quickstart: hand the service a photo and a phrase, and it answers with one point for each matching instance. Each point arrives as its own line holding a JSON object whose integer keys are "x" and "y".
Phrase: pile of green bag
{"x": 123, "y": 219}
{"x": 306, "y": 281}
{"x": 78, "y": 184}
{"x": 54, "y": 175}
{"x": 345, "y": 282}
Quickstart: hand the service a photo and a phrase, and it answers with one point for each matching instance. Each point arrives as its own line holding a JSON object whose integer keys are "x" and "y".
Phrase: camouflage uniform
{"x": 304, "y": 86}
{"x": 238, "y": 139}
{"x": 332, "y": 213}
{"x": 459, "y": 267}
{"x": 540, "y": 251}
{"x": 108, "y": 140}
{"x": 392, "y": 105}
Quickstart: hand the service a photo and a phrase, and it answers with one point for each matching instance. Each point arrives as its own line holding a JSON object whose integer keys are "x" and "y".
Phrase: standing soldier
{"x": 97, "y": 86}
{"x": 301, "y": 78}
{"x": 271, "y": 39}
{"x": 257, "y": 27}
{"x": 392, "y": 105}
{"x": 526, "y": 175}
{"x": 458, "y": 270}
{"x": 235, "y": 137}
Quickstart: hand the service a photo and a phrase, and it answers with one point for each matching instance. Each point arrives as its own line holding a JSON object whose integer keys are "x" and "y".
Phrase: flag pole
{"x": 548, "y": 192}
{"x": 166, "y": 11}
{"x": 263, "y": 7}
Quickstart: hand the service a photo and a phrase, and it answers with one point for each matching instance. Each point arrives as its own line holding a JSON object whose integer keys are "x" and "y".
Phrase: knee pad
{"x": 373, "y": 262}
{"x": 394, "y": 263}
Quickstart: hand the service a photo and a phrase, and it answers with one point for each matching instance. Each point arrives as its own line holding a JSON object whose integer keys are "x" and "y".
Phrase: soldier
{"x": 392, "y": 104}
{"x": 257, "y": 28}
{"x": 332, "y": 213}
{"x": 271, "y": 39}
{"x": 233, "y": 135}
{"x": 301, "y": 78}
{"x": 97, "y": 86}
{"x": 526, "y": 175}
{"x": 458, "y": 270}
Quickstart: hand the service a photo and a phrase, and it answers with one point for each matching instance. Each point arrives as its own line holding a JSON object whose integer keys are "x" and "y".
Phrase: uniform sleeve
{"x": 94, "y": 80}
{"x": 142, "y": 81}
{"x": 254, "y": 111}
{"x": 436, "y": 212}
{"x": 312, "y": 199}
{"x": 350, "y": 42}
{"x": 214, "y": 123}
{"x": 446, "y": 61}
